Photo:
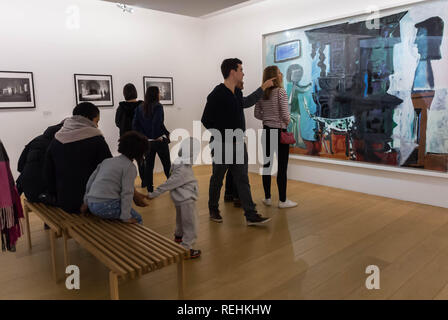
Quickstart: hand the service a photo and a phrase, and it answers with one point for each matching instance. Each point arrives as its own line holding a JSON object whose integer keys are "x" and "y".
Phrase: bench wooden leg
{"x": 53, "y": 254}
{"x": 113, "y": 283}
{"x": 66, "y": 257}
{"x": 180, "y": 278}
{"x": 26, "y": 212}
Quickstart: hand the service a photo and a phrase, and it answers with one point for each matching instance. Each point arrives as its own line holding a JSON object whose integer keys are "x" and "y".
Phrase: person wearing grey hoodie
{"x": 184, "y": 192}
{"x": 72, "y": 156}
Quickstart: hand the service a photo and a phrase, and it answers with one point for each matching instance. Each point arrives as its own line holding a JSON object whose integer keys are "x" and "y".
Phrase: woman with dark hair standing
{"x": 148, "y": 119}
{"x": 273, "y": 111}
{"x": 124, "y": 117}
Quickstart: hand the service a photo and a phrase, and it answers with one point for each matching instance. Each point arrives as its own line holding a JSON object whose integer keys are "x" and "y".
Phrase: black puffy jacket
{"x": 31, "y": 164}
{"x": 125, "y": 115}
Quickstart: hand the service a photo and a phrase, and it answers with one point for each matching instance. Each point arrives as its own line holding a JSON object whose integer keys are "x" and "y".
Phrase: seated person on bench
{"x": 110, "y": 188}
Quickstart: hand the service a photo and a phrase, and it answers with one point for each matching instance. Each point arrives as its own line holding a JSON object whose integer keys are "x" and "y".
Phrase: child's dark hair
{"x": 133, "y": 145}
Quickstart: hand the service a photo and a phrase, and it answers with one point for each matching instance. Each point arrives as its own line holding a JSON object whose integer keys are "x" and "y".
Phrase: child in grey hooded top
{"x": 184, "y": 192}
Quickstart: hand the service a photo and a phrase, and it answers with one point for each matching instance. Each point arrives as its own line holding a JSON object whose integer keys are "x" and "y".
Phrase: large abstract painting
{"x": 371, "y": 91}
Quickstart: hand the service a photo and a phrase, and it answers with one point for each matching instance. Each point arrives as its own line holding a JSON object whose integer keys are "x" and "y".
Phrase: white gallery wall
{"x": 47, "y": 38}
{"x": 239, "y": 34}
{"x": 57, "y": 38}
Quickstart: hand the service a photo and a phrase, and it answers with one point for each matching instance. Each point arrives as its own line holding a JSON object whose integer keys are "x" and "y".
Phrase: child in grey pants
{"x": 184, "y": 192}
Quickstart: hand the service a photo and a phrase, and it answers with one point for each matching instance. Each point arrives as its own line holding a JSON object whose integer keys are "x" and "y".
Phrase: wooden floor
{"x": 318, "y": 250}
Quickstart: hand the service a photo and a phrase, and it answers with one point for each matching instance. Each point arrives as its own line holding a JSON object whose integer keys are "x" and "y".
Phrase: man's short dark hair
{"x": 133, "y": 145}
{"x": 86, "y": 109}
{"x": 129, "y": 92}
{"x": 229, "y": 64}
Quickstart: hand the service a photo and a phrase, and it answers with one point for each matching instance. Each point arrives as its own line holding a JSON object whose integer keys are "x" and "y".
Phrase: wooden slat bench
{"x": 127, "y": 250}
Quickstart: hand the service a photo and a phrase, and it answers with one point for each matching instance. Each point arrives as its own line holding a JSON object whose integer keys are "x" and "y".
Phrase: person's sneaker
{"x": 177, "y": 239}
{"x": 256, "y": 220}
{"x": 237, "y": 203}
{"x": 215, "y": 216}
{"x": 228, "y": 198}
{"x": 287, "y": 204}
{"x": 194, "y": 254}
{"x": 267, "y": 202}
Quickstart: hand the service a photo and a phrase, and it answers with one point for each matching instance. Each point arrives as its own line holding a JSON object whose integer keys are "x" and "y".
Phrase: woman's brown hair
{"x": 269, "y": 73}
{"x": 151, "y": 99}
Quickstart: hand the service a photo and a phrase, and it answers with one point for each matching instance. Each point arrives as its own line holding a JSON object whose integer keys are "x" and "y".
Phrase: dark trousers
{"x": 241, "y": 179}
{"x": 161, "y": 149}
{"x": 231, "y": 189}
{"x": 141, "y": 172}
{"x": 282, "y": 152}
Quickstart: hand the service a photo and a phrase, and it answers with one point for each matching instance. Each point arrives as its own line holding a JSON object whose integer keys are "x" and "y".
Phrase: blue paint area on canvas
{"x": 360, "y": 93}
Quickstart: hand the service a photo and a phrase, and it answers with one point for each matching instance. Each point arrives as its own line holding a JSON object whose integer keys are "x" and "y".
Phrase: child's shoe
{"x": 177, "y": 239}
{"x": 194, "y": 254}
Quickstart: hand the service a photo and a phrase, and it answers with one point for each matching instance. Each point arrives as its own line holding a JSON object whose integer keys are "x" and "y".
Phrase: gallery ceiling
{"x": 193, "y": 8}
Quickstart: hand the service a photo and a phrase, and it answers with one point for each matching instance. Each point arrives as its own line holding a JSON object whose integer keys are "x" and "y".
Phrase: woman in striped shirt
{"x": 273, "y": 111}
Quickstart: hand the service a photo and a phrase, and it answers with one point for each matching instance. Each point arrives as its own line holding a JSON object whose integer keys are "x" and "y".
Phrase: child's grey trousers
{"x": 187, "y": 223}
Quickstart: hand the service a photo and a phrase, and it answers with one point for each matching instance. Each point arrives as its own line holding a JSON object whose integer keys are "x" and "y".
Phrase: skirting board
{"x": 370, "y": 179}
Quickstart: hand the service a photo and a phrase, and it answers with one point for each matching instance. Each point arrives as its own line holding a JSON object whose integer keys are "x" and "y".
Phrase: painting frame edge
{"x": 33, "y": 91}
{"x": 159, "y": 77}
{"x": 95, "y": 75}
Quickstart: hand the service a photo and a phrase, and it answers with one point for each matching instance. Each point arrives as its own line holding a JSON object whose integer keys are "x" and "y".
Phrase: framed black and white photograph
{"x": 16, "y": 90}
{"x": 165, "y": 85}
{"x": 94, "y": 88}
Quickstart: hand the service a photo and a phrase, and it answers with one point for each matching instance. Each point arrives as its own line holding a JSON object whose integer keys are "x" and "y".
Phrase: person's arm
{"x": 253, "y": 98}
{"x": 49, "y": 173}
{"x": 22, "y": 159}
{"x": 157, "y": 122}
{"x": 283, "y": 105}
{"x": 135, "y": 121}
{"x": 258, "y": 111}
{"x": 118, "y": 116}
{"x": 208, "y": 114}
{"x": 90, "y": 181}
{"x": 127, "y": 192}
{"x": 103, "y": 151}
{"x": 175, "y": 180}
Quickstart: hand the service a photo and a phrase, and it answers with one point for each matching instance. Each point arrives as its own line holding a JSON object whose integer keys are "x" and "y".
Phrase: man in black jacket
{"x": 231, "y": 193}
{"x": 31, "y": 165}
{"x": 223, "y": 112}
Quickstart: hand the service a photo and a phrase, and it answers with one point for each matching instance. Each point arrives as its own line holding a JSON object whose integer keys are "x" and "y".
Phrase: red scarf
{"x": 10, "y": 205}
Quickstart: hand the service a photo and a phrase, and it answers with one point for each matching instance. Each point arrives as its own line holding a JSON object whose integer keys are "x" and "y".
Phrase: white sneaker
{"x": 267, "y": 202}
{"x": 287, "y": 204}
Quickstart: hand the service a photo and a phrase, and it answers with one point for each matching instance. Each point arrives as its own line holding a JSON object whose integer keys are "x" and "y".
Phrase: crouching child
{"x": 110, "y": 188}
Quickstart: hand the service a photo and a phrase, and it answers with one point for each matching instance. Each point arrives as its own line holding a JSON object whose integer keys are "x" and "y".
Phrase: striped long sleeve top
{"x": 274, "y": 112}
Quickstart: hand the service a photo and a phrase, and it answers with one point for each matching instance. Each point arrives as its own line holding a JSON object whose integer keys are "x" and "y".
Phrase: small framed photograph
{"x": 287, "y": 51}
{"x": 165, "y": 85}
{"x": 16, "y": 90}
{"x": 94, "y": 88}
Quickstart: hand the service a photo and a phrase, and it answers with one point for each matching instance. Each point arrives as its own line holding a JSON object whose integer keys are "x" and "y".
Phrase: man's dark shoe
{"x": 177, "y": 239}
{"x": 256, "y": 220}
{"x": 46, "y": 227}
{"x": 228, "y": 198}
{"x": 215, "y": 216}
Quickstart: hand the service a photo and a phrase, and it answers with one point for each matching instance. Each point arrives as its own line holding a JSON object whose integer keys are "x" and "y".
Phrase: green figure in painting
{"x": 296, "y": 94}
